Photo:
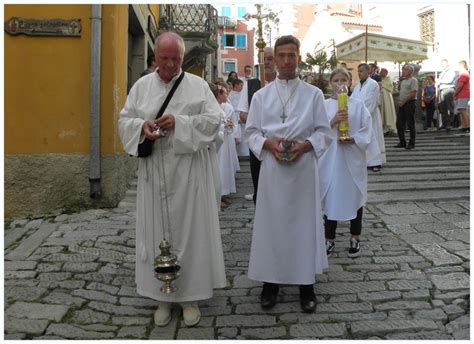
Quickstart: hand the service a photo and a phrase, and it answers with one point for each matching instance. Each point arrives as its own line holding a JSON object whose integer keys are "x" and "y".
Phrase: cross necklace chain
{"x": 283, "y": 105}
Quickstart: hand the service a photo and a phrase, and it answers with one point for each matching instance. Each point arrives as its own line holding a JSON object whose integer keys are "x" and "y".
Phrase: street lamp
{"x": 260, "y": 42}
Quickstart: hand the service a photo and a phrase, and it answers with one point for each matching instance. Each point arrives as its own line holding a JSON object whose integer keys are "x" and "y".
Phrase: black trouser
{"x": 331, "y": 225}
{"x": 255, "y": 172}
{"x": 446, "y": 106}
{"x": 406, "y": 115}
{"x": 430, "y": 108}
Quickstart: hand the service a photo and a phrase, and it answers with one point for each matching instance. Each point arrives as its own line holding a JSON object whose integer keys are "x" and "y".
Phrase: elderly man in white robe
{"x": 176, "y": 195}
{"x": 288, "y": 243}
{"x": 343, "y": 167}
{"x": 368, "y": 91}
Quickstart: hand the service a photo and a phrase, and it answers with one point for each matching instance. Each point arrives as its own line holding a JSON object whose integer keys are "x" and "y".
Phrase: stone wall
{"x": 42, "y": 185}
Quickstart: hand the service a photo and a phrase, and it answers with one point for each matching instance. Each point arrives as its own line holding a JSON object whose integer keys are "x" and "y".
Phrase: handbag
{"x": 146, "y": 147}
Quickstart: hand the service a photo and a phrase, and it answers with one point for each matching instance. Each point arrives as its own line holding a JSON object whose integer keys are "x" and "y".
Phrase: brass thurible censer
{"x": 342, "y": 104}
{"x": 166, "y": 265}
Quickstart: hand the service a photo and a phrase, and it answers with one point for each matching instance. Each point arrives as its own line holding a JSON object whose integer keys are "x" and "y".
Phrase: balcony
{"x": 192, "y": 22}
{"x": 197, "y": 24}
{"x": 226, "y": 22}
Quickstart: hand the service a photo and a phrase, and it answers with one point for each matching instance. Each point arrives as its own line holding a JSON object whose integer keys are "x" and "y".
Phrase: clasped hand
{"x": 296, "y": 151}
{"x": 165, "y": 122}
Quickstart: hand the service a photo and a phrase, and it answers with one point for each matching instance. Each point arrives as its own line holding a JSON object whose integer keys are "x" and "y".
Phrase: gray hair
{"x": 170, "y": 35}
{"x": 410, "y": 67}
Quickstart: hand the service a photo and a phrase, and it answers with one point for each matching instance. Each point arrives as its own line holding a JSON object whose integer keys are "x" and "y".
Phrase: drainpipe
{"x": 94, "y": 137}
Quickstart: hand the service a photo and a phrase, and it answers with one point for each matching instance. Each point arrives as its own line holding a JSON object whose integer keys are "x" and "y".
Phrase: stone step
{"x": 427, "y": 157}
{"x": 392, "y": 170}
{"x": 418, "y": 195}
{"x": 419, "y": 185}
{"x": 429, "y": 147}
{"x": 426, "y": 175}
{"x": 433, "y": 163}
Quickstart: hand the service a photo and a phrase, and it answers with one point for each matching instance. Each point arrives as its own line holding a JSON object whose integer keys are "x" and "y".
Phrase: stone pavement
{"x": 72, "y": 276}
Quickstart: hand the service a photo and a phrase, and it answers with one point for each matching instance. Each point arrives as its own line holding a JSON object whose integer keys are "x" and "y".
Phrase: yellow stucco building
{"x": 68, "y": 69}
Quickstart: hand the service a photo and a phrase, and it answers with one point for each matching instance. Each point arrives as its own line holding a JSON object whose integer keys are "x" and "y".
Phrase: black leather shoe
{"x": 269, "y": 295}
{"x": 410, "y": 146}
{"x": 400, "y": 145}
{"x": 307, "y": 298}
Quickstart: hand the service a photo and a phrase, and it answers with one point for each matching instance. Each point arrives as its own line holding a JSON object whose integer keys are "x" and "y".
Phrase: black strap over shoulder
{"x": 146, "y": 147}
{"x": 169, "y": 96}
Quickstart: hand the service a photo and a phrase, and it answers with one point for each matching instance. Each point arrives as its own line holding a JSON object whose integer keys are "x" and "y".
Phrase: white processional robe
{"x": 227, "y": 154}
{"x": 288, "y": 237}
{"x": 369, "y": 94}
{"x": 190, "y": 166}
{"x": 234, "y": 98}
{"x": 343, "y": 166}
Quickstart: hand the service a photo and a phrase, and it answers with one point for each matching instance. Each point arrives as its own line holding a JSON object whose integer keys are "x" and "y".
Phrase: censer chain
{"x": 168, "y": 226}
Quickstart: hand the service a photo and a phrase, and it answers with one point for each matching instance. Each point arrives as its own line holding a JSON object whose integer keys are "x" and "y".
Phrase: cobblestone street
{"x": 72, "y": 276}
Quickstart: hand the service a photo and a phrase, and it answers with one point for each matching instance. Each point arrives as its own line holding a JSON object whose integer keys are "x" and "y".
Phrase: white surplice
{"x": 369, "y": 94}
{"x": 190, "y": 166}
{"x": 288, "y": 237}
{"x": 343, "y": 166}
{"x": 243, "y": 106}
{"x": 233, "y": 99}
{"x": 227, "y": 154}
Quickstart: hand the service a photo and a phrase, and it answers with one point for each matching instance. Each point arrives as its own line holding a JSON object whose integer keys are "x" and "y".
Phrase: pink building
{"x": 236, "y": 46}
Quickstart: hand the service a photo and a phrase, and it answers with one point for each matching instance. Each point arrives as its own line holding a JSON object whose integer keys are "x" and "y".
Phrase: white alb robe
{"x": 227, "y": 154}
{"x": 243, "y": 106}
{"x": 288, "y": 237}
{"x": 190, "y": 166}
{"x": 233, "y": 99}
{"x": 369, "y": 94}
{"x": 343, "y": 167}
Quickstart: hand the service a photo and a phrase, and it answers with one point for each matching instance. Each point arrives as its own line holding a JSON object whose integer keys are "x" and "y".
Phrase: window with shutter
{"x": 229, "y": 66}
{"x": 225, "y": 11}
{"x": 241, "y": 12}
{"x": 242, "y": 41}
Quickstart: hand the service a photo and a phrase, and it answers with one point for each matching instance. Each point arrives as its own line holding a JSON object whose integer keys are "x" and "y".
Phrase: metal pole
{"x": 366, "y": 41}
{"x": 94, "y": 150}
{"x": 260, "y": 45}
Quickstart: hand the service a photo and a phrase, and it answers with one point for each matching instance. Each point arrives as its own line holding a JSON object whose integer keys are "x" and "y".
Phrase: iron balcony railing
{"x": 190, "y": 18}
{"x": 226, "y": 22}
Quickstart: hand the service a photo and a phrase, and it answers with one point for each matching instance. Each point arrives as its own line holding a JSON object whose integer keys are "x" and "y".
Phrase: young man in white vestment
{"x": 343, "y": 167}
{"x": 288, "y": 241}
{"x": 177, "y": 182}
{"x": 368, "y": 91}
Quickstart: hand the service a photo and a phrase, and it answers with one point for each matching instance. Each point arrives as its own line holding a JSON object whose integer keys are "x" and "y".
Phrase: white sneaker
{"x": 249, "y": 197}
{"x": 163, "y": 314}
{"x": 191, "y": 314}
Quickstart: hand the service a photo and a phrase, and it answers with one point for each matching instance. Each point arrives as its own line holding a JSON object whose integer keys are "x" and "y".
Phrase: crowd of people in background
{"x": 443, "y": 101}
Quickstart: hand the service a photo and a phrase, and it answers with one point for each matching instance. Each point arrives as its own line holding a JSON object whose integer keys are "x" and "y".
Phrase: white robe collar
{"x": 158, "y": 77}
{"x": 290, "y": 82}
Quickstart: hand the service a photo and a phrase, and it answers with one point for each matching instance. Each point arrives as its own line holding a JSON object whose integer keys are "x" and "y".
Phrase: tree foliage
{"x": 320, "y": 60}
